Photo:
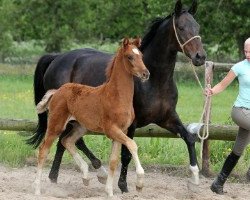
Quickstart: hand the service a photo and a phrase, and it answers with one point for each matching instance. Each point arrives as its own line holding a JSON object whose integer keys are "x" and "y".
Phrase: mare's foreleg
{"x": 125, "y": 160}
{"x": 69, "y": 143}
{"x": 175, "y": 125}
{"x": 116, "y": 147}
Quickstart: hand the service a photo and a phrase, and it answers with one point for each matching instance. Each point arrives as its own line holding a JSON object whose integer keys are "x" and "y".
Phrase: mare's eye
{"x": 130, "y": 57}
{"x": 181, "y": 28}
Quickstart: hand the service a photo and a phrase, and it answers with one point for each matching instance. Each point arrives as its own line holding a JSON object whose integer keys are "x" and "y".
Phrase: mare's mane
{"x": 153, "y": 28}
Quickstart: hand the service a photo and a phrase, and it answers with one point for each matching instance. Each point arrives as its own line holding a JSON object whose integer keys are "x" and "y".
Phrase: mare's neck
{"x": 160, "y": 55}
{"x": 121, "y": 82}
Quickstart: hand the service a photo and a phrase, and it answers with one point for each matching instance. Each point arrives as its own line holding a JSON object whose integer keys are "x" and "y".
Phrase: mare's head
{"x": 186, "y": 31}
{"x": 132, "y": 58}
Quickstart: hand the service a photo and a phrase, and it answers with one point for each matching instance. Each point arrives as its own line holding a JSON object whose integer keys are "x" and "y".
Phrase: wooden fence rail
{"x": 216, "y": 132}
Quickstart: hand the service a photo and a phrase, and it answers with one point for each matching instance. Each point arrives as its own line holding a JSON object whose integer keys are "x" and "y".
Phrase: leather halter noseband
{"x": 189, "y": 40}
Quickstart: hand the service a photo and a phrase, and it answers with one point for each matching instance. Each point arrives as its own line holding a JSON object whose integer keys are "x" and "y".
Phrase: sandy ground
{"x": 159, "y": 184}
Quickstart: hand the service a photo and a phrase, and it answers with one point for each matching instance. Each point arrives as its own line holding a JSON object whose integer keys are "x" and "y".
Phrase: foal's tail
{"x": 42, "y": 106}
{"x": 39, "y": 92}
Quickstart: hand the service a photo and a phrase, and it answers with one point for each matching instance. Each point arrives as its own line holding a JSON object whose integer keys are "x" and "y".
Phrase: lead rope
{"x": 207, "y": 105}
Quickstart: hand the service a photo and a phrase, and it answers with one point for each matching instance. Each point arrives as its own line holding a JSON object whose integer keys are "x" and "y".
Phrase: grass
{"x": 16, "y": 101}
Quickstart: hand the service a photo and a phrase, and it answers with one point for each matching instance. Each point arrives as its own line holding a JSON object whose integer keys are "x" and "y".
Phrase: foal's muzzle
{"x": 145, "y": 75}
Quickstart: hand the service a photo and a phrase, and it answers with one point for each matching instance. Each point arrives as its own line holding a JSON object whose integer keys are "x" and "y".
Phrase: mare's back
{"x": 85, "y": 66}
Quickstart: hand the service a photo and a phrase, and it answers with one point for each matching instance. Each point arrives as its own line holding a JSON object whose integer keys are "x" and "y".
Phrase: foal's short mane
{"x": 109, "y": 68}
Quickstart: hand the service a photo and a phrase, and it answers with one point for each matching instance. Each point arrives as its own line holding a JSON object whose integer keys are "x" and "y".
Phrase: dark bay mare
{"x": 154, "y": 101}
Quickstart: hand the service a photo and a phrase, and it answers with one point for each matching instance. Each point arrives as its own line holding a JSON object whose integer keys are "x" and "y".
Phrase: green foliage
{"x": 56, "y": 25}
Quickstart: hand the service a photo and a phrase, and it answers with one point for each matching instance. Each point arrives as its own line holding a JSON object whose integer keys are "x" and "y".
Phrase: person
{"x": 240, "y": 115}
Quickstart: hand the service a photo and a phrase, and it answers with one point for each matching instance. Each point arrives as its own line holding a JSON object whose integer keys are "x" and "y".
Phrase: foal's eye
{"x": 130, "y": 58}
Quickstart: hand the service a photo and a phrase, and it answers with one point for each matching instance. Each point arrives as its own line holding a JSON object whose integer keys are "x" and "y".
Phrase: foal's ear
{"x": 192, "y": 10}
{"x": 137, "y": 42}
{"x": 125, "y": 43}
{"x": 178, "y": 7}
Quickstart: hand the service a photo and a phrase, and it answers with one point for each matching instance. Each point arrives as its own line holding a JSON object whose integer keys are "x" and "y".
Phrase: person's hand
{"x": 208, "y": 92}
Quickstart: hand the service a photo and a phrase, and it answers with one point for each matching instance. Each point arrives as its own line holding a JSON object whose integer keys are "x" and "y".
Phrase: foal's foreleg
{"x": 69, "y": 143}
{"x": 116, "y": 146}
{"x": 125, "y": 160}
{"x": 119, "y": 136}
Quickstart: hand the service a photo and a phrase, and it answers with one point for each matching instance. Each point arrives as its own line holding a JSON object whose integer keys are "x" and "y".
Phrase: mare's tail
{"x": 39, "y": 92}
{"x": 42, "y": 106}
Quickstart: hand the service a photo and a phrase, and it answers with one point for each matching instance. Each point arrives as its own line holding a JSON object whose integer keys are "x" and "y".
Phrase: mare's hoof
{"x": 123, "y": 186}
{"x": 218, "y": 189}
{"x": 102, "y": 180}
{"x": 53, "y": 179}
{"x": 85, "y": 181}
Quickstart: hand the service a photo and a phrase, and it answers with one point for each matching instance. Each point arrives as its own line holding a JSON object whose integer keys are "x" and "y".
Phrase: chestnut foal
{"x": 107, "y": 108}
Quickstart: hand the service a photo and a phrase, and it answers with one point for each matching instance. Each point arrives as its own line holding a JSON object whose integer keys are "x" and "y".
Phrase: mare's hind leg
{"x": 175, "y": 125}
{"x": 117, "y": 135}
{"x": 53, "y": 174}
{"x": 116, "y": 146}
{"x": 69, "y": 143}
{"x": 96, "y": 163}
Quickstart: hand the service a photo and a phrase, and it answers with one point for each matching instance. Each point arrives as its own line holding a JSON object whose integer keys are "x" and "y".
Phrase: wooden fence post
{"x": 205, "y": 152}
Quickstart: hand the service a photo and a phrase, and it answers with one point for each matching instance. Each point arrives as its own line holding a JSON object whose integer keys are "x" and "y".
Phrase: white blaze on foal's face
{"x": 136, "y": 51}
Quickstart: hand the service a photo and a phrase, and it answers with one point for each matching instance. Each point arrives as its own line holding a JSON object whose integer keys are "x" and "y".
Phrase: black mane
{"x": 155, "y": 24}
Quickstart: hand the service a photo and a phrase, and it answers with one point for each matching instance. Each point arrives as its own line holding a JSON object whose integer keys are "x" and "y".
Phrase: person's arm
{"x": 221, "y": 85}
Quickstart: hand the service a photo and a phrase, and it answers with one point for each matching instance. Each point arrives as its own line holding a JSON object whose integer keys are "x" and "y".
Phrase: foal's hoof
{"x": 140, "y": 182}
{"x": 193, "y": 186}
{"x": 102, "y": 180}
{"x": 85, "y": 181}
{"x": 138, "y": 189}
{"x": 102, "y": 175}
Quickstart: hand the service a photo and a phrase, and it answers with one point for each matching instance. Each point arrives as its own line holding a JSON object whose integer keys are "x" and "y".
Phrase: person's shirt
{"x": 242, "y": 71}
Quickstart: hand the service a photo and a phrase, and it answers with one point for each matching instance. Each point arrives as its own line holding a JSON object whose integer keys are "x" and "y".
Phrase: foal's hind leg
{"x": 53, "y": 175}
{"x": 116, "y": 146}
{"x": 54, "y": 129}
{"x": 69, "y": 143}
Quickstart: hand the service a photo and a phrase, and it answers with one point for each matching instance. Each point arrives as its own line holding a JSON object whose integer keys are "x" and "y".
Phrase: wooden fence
{"x": 216, "y": 132}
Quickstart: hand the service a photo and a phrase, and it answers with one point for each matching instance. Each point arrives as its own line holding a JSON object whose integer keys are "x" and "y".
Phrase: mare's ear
{"x": 178, "y": 8}
{"x": 192, "y": 10}
{"x": 137, "y": 42}
{"x": 125, "y": 43}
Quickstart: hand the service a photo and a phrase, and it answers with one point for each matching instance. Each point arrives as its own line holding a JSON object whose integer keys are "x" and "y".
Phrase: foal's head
{"x": 132, "y": 58}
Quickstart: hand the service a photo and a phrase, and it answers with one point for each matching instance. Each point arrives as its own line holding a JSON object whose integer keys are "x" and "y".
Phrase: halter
{"x": 176, "y": 35}
{"x": 206, "y": 109}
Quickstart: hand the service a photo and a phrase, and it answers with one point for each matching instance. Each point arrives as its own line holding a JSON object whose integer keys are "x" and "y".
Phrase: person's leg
{"x": 243, "y": 138}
